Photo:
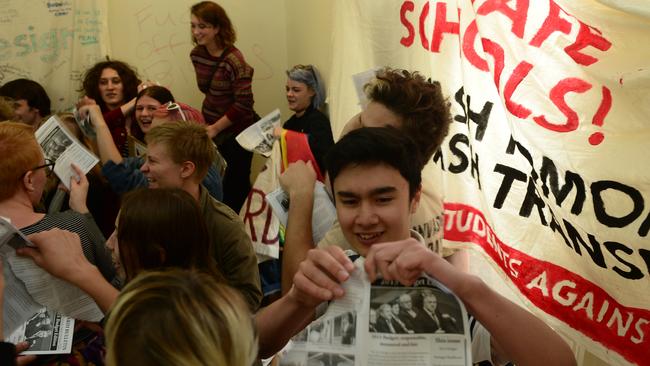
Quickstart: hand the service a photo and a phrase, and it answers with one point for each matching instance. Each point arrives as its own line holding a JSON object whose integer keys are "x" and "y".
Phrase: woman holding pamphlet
{"x": 305, "y": 137}
{"x": 225, "y": 78}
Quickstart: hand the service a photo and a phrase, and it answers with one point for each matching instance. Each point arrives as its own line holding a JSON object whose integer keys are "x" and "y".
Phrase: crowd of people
{"x": 155, "y": 240}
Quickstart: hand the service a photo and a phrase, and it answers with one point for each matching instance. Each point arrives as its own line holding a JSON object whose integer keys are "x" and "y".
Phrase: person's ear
{"x": 415, "y": 202}
{"x": 28, "y": 181}
{"x": 187, "y": 169}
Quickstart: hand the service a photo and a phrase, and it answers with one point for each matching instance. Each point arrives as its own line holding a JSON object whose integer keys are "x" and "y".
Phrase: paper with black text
{"x": 56, "y": 294}
{"x": 386, "y": 324}
{"x": 47, "y": 332}
{"x": 63, "y": 148}
{"x": 18, "y": 304}
{"x": 259, "y": 137}
{"x": 42, "y": 289}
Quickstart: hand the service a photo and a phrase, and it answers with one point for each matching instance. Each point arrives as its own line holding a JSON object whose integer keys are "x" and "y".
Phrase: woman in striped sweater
{"x": 225, "y": 78}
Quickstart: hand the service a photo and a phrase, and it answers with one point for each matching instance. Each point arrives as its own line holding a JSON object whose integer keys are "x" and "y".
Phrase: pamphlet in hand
{"x": 63, "y": 148}
{"x": 384, "y": 323}
{"x": 259, "y": 136}
{"x": 85, "y": 125}
{"x": 47, "y": 332}
{"x": 323, "y": 213}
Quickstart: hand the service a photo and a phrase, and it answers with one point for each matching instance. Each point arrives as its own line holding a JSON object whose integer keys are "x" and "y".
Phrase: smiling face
{"x": 159, "y": 168}
{"x": 373, "y": 205}
{"x": 111, "y": 88}
{"x": 299, "y": 96}
{"x": 204, "y": 33}
{"x": 144, "y": 112}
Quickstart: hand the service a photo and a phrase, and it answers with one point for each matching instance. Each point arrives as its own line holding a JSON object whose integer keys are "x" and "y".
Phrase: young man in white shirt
{"x": 376, "y": 182}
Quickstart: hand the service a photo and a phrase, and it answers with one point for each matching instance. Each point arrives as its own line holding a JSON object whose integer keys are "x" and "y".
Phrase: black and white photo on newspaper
{"x": 384, "y": 323}
{"x": 259, "y": 137}
{"x": 47, "y": 332}
{"x": 62, "y": 148}
{"x": 23, "y": 318}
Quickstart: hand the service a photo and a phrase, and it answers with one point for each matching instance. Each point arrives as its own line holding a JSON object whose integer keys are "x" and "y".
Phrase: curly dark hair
{"x": 130, "y": 80}
{"x": 418, "y": 101}
{"x": 212, "y": 13}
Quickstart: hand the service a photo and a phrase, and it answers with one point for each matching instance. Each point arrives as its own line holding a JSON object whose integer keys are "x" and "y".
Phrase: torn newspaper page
{"x": 386, "y": 324}
{"x": 18, "y": 304}
{"x": 44, "y": 288}
{"x": 53, "y": 292}
{"x": 60, "y": 146}
{"x": 47, "y": 332}
{"x": 259, "y": 137}
{"x": 323, "y": 213}
{"x": 85, "y": 125}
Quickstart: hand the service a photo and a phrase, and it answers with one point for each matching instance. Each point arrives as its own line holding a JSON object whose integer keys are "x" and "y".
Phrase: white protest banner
{"x": 543, "y": 163}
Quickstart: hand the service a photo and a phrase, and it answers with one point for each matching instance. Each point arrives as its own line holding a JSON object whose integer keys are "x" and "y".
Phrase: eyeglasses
{"x": 49, "y": 164}
{"x": 164, "y": 110}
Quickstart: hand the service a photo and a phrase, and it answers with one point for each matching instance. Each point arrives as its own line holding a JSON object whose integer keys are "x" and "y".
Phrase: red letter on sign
{"x": 586, "y": 38}
{"x": 469, "y": 39}
{"x": 407, "y": 6}
{"x": 250, "y": 215}
{"x": 518, "y": 74}
{"x": 518, "y": 15}
{"x": 557, "y": 94}
{"x": 423, "y": 17}
{"x": 497, "y": 53}
{"x": 552, "y": 23}
{"x": 442, "y": 26}
{"x": 267, "y": 225}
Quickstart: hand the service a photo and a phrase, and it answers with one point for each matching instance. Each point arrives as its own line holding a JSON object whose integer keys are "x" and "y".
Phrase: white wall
{"x": 309, "y": 34}
{"x": 154, "y": 36}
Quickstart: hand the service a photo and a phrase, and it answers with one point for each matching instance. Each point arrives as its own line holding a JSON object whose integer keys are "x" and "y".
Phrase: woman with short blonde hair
{"x": 179, "y": 318}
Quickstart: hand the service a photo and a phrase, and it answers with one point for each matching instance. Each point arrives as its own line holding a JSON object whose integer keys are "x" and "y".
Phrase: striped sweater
{"x": 226, "y": 82}
{"x": 92, "y": 240}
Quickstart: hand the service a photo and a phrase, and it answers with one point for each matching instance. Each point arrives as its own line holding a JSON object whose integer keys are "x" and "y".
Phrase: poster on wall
{"x": 52, "y": 43}
{"x": 543, "y": 167}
